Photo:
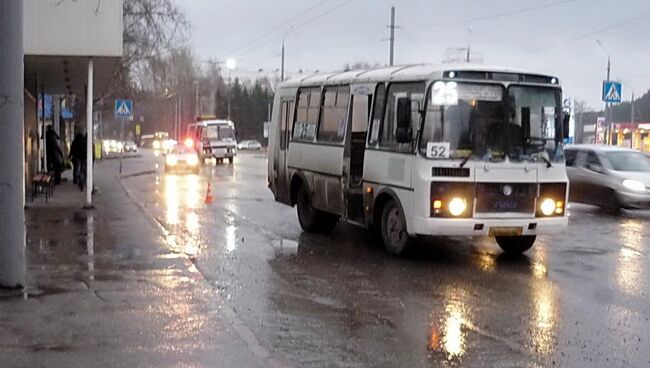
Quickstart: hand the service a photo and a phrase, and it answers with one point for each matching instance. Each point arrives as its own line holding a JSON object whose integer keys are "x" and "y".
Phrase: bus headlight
{"x": 192, "y": 160}
{"x": 547, "y": 207}
{"x": 171, "y": 160}
{"x": 457, "y": 206}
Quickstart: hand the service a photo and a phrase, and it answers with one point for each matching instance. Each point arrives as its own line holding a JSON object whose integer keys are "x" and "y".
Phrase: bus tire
{"x": 393, "y": 229}
{"x": 515, "y": 244}
{"x": 231, "y": 160}
{"x": 311, "y": 219}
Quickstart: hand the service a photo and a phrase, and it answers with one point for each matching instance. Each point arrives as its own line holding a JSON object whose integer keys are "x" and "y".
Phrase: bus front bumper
{"x": 488, "y": 226}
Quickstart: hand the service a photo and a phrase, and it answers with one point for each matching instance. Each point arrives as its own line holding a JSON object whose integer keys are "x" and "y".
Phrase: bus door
{"x": 361, "y": 101}
{"x": 280, "y": 163}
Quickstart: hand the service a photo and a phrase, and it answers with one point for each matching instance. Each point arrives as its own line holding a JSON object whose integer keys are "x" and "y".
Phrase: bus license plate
{"x": 506, "y": 231}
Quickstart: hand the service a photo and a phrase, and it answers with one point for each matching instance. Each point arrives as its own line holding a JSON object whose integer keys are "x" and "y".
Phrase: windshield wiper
{"x": 462, "y": 164}
{"x": 548, "y": 162}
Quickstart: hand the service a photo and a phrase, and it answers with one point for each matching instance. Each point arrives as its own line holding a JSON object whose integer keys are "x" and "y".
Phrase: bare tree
{"x": 152, "y": 28}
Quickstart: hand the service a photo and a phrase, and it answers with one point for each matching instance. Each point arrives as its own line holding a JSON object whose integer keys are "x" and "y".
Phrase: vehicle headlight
{"x": 634, "y": 185}
{"x": 457, "y": 206}
{"x": 547, "y": 207}
{"x": 171, "y": 160}
{"x": 156, "y": 145}
{"x": 119, "y": 145}
{"x": 192, "y": 160}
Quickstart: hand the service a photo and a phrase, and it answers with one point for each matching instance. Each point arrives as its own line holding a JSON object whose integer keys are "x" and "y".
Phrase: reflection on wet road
{"x": 575, "y": 299}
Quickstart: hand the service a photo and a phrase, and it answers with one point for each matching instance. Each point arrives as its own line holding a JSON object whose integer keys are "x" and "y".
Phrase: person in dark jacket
{"x": 77, "y": 154}
{"x": 54, "y": 154}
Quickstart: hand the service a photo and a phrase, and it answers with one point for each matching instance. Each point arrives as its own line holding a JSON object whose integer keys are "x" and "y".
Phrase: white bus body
{"x": 214, "y": 138}
{"x": 423, "y": 150}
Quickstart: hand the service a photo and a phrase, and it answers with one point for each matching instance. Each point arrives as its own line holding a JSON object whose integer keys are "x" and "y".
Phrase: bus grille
{"x": 505, "y": 197}
{"x": 456, "y": 172}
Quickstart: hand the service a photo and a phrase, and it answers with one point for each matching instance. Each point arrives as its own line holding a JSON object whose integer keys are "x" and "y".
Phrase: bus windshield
{"x": 488, "y": 122}
{"x": 220, "y": 132}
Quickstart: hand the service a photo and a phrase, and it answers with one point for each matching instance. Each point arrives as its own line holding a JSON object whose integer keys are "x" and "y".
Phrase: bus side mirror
{"x": 566, "y": 117}
{"x": 404, "y": 132}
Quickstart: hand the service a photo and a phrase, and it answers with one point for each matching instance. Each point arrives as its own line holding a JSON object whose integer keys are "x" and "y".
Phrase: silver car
{"x": 608, "y": 176}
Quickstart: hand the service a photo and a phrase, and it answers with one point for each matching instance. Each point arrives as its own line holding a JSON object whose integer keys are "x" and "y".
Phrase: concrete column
{"x": 89, "y": 136}
{"x": 12, "y": 145}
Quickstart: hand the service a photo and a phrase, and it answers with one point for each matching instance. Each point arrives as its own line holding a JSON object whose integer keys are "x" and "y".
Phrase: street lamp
{"x": 231, "y": 64}
{"x": 607, "y": 109}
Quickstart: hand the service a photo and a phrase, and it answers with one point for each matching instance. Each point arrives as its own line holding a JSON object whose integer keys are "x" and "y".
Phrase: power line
{"x": 495, "y": 15}
{"x": 256, "y": 40}
{"x": 590, "y": 34}
{"x": 303, "y": 24}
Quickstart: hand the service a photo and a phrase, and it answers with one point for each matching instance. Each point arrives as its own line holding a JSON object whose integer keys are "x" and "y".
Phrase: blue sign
{"x": 123, "y": 108}
{"x": 612, "y": 91}
{"x": 48, "y": 107}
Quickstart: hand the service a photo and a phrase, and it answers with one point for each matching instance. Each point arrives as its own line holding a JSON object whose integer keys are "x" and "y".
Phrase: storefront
{"x": 632, "y": 135}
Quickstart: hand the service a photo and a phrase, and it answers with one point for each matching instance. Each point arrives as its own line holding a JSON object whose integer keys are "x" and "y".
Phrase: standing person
{"x": 77, "y": 155}
{"x": 54, "y": 154}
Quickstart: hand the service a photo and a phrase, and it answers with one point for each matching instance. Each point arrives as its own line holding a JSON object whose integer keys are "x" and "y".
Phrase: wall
{"x": 73, "y": 27}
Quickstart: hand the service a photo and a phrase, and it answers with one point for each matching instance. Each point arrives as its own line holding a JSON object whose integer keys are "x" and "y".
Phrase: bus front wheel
{"x": 311, "y": 219}
{"x": 393, "y": 229}
{"x": 515, "y": 244}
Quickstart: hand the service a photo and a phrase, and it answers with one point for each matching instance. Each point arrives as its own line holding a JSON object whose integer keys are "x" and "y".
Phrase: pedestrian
{"x": 54, "y": 154}
{"x": 77, "y": 155}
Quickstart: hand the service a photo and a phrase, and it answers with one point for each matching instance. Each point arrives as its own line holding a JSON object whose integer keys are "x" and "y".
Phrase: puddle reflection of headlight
{"x": 192, "y": 160}
{"x": 171, "y": 160}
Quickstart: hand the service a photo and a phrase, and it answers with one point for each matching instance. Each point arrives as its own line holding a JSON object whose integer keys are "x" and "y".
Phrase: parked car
{"x": 608, "y": 176}
{"x": 249, "y": 145}
{"x": 182, "y": 159}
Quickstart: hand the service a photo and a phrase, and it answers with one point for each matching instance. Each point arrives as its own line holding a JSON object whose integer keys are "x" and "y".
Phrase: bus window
{"x": 360, "y": 112}
{"x": 286, "y": 117}
{"x": 334, "y": 115}
{"x": 307, "y": 114}
{"x": 415, "y": 91}
{"x": 377, "y": 113}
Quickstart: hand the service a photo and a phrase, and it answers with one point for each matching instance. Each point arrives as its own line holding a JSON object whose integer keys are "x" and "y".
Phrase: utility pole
{"x": 608, "y": 120}
{"x": 392, "y": 36}
{"x": 196, "y": 98}
{"x": 282, "y": 66}
{"x": 12, "y": 149}
{"x": 469, "y": 39}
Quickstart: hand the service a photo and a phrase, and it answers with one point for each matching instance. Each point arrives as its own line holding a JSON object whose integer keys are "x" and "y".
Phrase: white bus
{"x": 213, "y": 138}
{"x": 423, "y": 150}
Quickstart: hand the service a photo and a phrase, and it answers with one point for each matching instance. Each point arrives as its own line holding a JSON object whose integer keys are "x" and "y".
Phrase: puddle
{"x": 285, "y": 247}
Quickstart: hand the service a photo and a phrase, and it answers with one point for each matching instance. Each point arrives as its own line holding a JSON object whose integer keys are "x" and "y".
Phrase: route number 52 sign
{"x": 438, "y": 150}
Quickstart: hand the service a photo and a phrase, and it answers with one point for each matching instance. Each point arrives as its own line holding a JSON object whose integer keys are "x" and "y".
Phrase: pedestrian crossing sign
{"x": 123, "y": 108}
{"x": 611, "y": 91}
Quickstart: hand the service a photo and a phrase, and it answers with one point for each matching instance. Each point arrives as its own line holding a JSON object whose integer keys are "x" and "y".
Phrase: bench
{"x": 43, "y": 183}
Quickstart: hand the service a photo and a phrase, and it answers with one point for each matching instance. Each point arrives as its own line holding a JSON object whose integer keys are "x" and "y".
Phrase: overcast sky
{"x": 551, "y": 36}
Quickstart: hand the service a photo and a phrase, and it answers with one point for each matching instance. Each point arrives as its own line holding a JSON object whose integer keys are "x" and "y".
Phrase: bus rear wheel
{"x": 313, "y": 220}
{"x": 393, "y": 229}
{"x": 515, "y": 244}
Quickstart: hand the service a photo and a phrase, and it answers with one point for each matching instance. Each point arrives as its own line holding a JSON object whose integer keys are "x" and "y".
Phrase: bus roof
{"x": 213, "y": 122}
{"x": 419, "y": 72}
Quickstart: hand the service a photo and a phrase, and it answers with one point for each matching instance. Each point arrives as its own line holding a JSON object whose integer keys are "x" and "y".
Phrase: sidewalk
{"x": 104, "y": 292}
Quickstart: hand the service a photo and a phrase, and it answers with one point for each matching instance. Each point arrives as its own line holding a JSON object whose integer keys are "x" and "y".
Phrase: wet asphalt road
{"x": 575, "y": 299}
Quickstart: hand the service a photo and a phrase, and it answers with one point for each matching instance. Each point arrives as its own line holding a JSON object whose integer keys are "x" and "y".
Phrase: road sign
{"x": 612, "y": 91}
{"x": 123, "y": 108}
